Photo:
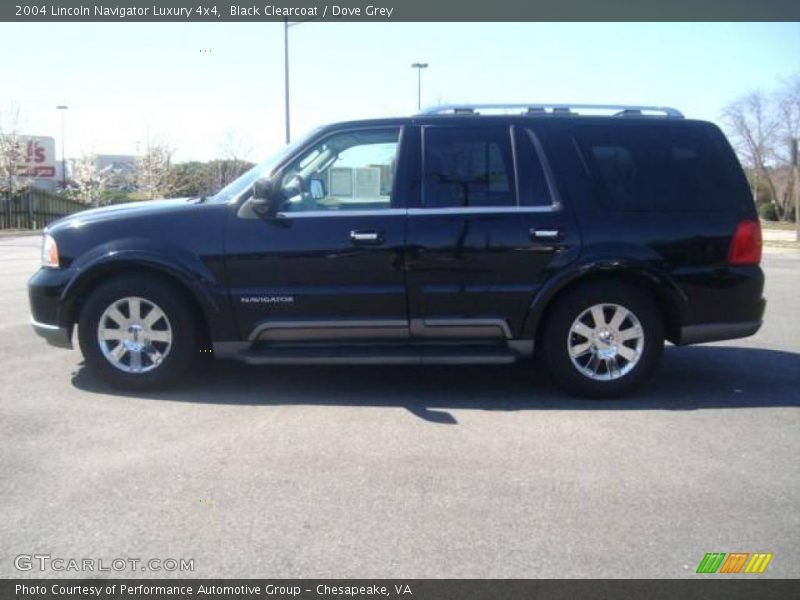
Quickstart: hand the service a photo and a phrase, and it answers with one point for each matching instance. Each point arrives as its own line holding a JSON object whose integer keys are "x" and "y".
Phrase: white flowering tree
{"x": 11, "y": 155}
{"x": 153, "y": 170}
{"x": 90, "y": 181}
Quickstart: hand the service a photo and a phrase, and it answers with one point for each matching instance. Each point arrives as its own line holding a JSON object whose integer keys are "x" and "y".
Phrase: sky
{"x": 198, "y": 87}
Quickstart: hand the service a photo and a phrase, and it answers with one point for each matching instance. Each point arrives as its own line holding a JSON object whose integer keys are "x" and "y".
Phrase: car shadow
{"x": 689, "y": 378}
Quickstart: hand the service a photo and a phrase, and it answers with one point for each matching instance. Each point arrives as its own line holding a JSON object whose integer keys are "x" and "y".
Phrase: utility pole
{"x": 796, "y": 186}
{"x": 62, "y": 109}
{"x": 419, "y": 66}
{"x": 286, "y": 74}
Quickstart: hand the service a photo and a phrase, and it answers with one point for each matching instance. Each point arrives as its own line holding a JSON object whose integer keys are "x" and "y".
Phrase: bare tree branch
{"x": 753, "y": 129}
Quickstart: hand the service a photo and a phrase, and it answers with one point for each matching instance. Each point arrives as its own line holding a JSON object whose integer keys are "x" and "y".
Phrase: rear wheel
{"x": 137, "y": 332}
{"x": 603, "y": 340}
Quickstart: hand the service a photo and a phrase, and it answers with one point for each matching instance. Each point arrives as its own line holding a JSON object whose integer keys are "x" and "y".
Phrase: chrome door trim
{"x": 452, "y": 210}
{"x": 480, "y": 210}
{"x": 460, "y": 328}
{"x": 330, "y": 330}
{"x": 343, "y": 213}
{"x": 452, "y": 328}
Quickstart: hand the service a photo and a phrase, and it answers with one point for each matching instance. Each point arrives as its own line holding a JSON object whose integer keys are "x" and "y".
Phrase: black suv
{"x": 458, "y": 235}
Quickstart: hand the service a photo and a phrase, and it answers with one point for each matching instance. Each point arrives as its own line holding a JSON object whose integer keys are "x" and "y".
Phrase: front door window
{"x": 343, "y": 172}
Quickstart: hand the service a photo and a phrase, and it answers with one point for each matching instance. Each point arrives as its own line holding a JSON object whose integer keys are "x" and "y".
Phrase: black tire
{"x": 557, "y": 337}
{"x": 171, "y": 300}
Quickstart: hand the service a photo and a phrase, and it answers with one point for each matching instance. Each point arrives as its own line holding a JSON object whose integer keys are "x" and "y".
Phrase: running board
{"x": 390, "y": 354}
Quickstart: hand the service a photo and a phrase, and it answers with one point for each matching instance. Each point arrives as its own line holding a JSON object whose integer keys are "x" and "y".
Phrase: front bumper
{"x": 49, "y": 316}
{"x": 61, "y": 337}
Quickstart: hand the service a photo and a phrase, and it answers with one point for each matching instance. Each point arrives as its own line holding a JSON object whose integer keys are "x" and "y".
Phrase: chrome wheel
{"x": 134, "y": 335}
{"x": 605, "y": 342}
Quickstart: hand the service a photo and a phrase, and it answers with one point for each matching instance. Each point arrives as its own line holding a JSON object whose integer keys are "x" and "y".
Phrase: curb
{"x": 19, "y": 233}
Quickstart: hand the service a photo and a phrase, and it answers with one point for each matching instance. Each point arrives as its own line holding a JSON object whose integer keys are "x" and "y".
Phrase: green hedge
{"x": 767, "y": 212}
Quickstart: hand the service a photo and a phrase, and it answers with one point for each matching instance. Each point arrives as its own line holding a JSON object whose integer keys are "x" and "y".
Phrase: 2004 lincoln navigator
{"x": 584, "y": 236}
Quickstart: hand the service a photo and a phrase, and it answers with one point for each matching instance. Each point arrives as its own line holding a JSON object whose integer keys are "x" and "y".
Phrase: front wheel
{"x": 137, "y": 332}
{"x": 603, "y": 340}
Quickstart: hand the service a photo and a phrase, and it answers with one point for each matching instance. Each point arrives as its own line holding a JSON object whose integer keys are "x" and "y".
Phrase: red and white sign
{"x": 37, "y": 157}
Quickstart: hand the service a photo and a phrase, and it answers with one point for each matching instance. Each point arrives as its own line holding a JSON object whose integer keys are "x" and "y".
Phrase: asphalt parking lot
{"x": 403, "y": 472}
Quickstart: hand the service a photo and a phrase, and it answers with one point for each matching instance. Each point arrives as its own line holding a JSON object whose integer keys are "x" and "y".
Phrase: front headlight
{"x": 49, "y": 252}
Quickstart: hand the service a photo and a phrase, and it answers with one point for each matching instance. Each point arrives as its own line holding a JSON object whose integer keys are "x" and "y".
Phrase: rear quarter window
{"x": 662, "y": 168}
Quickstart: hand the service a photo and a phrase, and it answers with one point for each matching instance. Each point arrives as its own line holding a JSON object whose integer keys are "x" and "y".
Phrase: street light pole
{"x": 286, "y": 26}
{"x": 419, "y": 66}
{"x": 62, "y": 108}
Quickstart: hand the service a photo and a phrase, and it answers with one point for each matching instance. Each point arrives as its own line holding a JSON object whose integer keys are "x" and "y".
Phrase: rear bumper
{"x": 715, "y": 332}
{"x": 61, "y": 337}
{"x": 724, "y": 305}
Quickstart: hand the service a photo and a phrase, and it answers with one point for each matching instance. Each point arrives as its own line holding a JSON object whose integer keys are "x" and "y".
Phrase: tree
{"x": 189, "y": 179}
{"x": 11, "y": 155}
{"x": 231, "y": 164}
{"x": 753, "y": 130}
{"x": 90, "y": 181}
{"x": 152, "y": 170}
{"x": 788, "y": 101}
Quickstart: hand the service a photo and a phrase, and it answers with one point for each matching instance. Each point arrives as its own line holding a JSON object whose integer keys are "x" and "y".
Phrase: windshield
{"x": 263, "y": 169}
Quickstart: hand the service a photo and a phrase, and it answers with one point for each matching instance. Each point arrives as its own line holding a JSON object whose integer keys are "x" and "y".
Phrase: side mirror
{"x": 266, "y": 197}
{"x": 316, "y": 189}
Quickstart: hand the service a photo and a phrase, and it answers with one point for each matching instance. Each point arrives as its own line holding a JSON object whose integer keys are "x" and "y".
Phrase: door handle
{"x": 366, "y": 237}
{"x": 549, "y": 234}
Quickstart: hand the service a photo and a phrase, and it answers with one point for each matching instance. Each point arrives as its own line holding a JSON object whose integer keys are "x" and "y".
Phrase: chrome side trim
{"x": 330, "y": 330}
{"x": 453, "y": 210}
{"x": 342, "y": 213}
{"x": 380, "y": 329}
{"x": 460, "y": 328}
{"x": 480, "y": 210}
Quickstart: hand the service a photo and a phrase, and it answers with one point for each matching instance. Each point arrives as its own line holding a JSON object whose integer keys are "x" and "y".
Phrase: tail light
{"x": 746, "y": 244}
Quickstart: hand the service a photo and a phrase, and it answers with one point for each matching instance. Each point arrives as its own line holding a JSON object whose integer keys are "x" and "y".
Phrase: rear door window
{"x": 468, "y": 167}
{"x": 655, "y": 168}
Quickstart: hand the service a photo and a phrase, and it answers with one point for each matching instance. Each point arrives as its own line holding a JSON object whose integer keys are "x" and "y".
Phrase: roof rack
{"x": 617, "y": 110}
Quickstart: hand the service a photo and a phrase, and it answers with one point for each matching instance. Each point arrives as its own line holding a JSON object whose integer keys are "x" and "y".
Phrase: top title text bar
{"x": 401, "y": 10}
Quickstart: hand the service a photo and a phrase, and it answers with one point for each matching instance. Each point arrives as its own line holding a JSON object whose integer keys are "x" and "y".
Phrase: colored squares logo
{"x": 735, "y": 562}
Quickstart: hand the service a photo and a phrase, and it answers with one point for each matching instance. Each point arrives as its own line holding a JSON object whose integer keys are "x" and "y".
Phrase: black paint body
{"x": 456, "y": 267}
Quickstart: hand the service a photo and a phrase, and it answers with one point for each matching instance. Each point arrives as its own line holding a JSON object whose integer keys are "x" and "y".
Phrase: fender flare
{"x": 172, "y": 261}
{"x": 668, "y": 293}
